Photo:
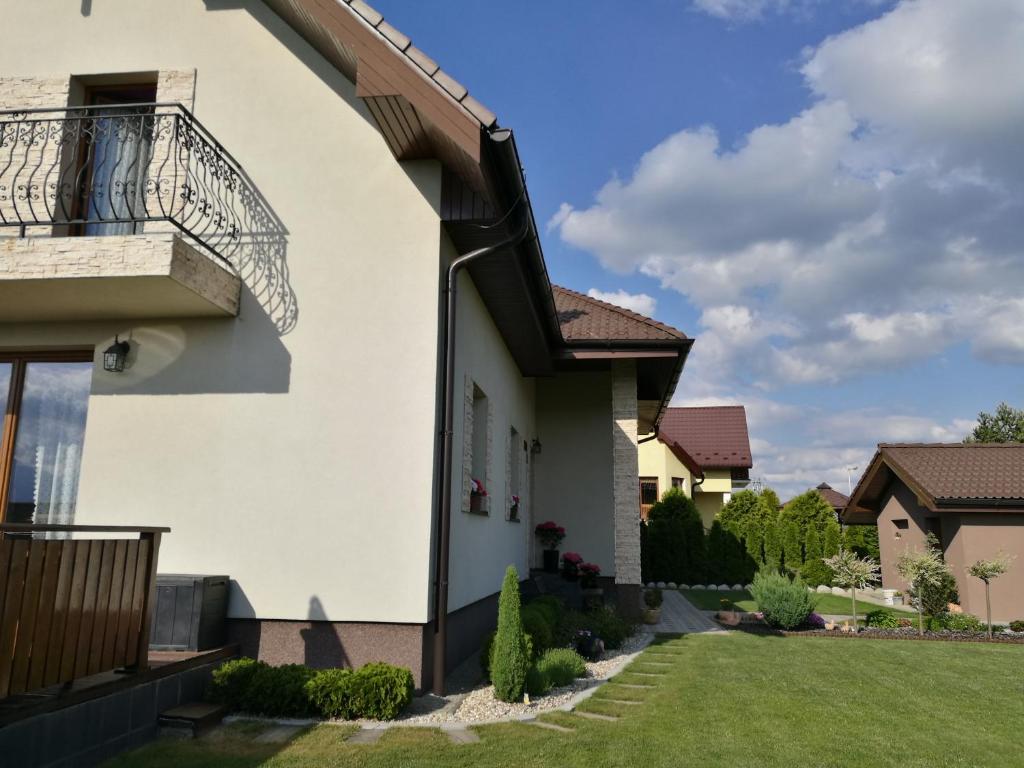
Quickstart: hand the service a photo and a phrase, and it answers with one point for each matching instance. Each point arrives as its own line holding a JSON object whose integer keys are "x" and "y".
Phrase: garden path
{"x": 679, "y": 615}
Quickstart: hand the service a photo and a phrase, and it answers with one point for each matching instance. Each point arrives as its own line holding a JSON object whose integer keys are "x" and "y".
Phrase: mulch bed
{"x": 883, "y": 634}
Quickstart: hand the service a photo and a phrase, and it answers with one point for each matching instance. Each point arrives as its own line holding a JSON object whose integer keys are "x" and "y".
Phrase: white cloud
{"x": 874, "y": 229}
{"x": 753, "y": 10}
{"x": 638, "y": 302}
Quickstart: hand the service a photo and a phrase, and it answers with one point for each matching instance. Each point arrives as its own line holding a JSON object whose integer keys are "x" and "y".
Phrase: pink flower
{"x": 476, "y": 487}
{"x": 591, "y": 569}
{"x": 572, "y": 558}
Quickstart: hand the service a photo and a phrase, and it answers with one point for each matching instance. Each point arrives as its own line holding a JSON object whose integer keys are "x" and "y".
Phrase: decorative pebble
{"x": 723, "y": 587}
{"x": 749, "y": 587}
{"x": 824, "y": 589}
{"x": 651, "y": 585}
{"x": 698, "y": 586}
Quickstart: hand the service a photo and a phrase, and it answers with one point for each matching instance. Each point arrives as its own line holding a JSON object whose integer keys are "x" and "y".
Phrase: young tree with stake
{"x": 853, "y": 573}
{"x": 986, "y": 570}
{"x": 921, "y": 570}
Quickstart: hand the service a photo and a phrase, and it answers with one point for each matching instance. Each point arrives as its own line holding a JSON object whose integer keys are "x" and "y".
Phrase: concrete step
{"x": 190, "y": 720}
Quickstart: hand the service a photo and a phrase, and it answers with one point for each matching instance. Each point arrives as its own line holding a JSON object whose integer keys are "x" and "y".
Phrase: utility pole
{"x": 849, "y": 479}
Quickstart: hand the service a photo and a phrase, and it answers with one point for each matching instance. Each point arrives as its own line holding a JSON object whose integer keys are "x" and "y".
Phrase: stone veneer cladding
{"x": 625, "y": 481}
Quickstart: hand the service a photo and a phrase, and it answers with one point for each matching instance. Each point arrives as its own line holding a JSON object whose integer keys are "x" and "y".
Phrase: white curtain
{"x": 121, "y": 150}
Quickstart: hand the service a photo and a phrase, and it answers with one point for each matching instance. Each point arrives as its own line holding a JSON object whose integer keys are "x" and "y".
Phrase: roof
{"x": 835, "y": 499}
{"x": 582, "y": 318}
{"x": 961, "y": 476}
{"x": 715, "y": 436}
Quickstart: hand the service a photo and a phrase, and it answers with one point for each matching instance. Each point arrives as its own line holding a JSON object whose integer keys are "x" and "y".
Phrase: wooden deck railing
{"x": 70, "y": 608}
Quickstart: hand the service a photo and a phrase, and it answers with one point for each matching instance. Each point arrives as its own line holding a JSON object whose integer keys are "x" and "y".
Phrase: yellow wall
{"x": 656, "y": 460}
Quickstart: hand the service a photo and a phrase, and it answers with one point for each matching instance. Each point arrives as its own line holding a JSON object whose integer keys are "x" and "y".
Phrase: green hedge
{"x": 376, "y": 691}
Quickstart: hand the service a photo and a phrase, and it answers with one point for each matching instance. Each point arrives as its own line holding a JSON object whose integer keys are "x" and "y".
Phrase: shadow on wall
{"x": 321, "y": 645}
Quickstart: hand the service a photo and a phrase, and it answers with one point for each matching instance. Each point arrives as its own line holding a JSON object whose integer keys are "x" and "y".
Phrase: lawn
{"x": 708, "y": 600}
{"x": 715, "y": 700}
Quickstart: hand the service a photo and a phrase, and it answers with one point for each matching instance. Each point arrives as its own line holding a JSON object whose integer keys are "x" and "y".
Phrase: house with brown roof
{"x": 835, "y": 499}
{"x": 969, "y": 495}
{"x": 275, "y": 283}
{"x": 704, "y": 451}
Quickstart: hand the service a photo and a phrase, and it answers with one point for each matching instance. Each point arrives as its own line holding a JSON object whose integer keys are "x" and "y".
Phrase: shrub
{"x": 537, "y": 683}
{"x": 550, "y": 606}
{"x": 380, "y": 691}
{"x": 784, "y": 603}
{"x": 792, "y": 546}
{"x": 561, "y": 666}
{"x": 832, "y": 539}
{"x": 509, "y": 658}
{"x": 653, "y": 598}
{"x": 773, "y": 546}
{"x": 609, "y": 626}
{"x": 675, "y": 540}
{"x": 739, "y": 512}
{"x": 488, "y": 646}
{"x": 961, "y": 622}
{"x": 330, "y": 693}
{"x": 231, "y": 679}
{"x": 815, "y": 621}
{"x": 278, "y": 691}
{"x": 537, "y": 625}
{"x": 815, "y": 572}
{"x": 1017, "y": 626}
{"x": 882, "y": 618}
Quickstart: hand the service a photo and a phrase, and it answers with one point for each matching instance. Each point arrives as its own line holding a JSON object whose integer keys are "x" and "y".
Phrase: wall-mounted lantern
{"x": 536, "y": 447}
{"x": 115, "y": 356}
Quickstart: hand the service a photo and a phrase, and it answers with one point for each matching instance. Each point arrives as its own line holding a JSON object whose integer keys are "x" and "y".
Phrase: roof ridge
{"x": 623, "y": 311}
{"x": 951, "y": 445}
{"x": 421, "y": 62}
{"x": 703, "y": 407}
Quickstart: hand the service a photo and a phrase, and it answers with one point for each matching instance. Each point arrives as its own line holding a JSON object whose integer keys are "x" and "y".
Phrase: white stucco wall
{"x": 299, "y": 464}
{"x": 573, "y": 475}
{"x": 483, "y": 546}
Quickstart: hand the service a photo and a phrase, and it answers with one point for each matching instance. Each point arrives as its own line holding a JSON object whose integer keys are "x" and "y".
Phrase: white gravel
{"x": 480, "y": 706}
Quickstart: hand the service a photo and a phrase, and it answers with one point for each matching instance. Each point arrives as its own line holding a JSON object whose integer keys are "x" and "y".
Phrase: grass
{"x": 726, "y": 700}
{"x": 709, "y": 600}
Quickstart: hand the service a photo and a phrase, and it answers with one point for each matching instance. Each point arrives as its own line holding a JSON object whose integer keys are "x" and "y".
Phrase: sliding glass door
{"x": 46, "y": 400}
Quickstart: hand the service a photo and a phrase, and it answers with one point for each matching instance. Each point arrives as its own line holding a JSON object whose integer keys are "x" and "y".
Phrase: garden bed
{"x": 480, "y": 706}
{"x": 875, "y": 633}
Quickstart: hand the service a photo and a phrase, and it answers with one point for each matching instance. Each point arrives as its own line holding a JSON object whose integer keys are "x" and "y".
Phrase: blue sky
{"x": 827, "y": 195}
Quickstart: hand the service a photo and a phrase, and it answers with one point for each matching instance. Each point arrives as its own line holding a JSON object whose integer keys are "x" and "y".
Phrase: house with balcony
{"x": 703, "y": 451}
{"x": 246, "y": 250}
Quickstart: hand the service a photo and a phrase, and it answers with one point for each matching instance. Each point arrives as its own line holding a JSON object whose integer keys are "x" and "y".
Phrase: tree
{"x": 718, "y": 553}
{"x": 812, "y": 545}
{"x": 807, "y": 510}
{"x": 922, "y": 570}
{"x": 675, "y": 540}
{"x": 862, "y": 539}
{"x": 1006, "y": 425}
{"x": 739, "y": 512}
{"x": 853, "y": 573}
{"x": 769, "y": 500}
{"x": 773, "y": 547}
{"x": 833, "y": 535}
{"x": 509, "y": 658}
{"x": 792, "y": 549}
{"x": 986, "y": 570}
{"x": 754, "y": 541}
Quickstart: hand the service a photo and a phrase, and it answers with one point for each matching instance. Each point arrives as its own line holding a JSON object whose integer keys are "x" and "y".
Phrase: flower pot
{"x": 652, "y": 615}
{"x": 551, "y": 561}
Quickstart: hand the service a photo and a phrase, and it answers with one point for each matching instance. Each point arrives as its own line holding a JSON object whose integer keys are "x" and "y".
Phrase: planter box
{"x": 189, "y": 612}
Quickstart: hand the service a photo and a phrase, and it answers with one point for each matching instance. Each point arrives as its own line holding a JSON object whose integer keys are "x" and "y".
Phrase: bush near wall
{"x": 376, "y": 691}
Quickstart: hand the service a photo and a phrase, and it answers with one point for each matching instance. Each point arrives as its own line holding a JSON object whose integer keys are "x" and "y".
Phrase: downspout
{"x": 445, "y": 501}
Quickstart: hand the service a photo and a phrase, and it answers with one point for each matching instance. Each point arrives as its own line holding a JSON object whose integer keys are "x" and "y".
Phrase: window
{"x": 648, "y": 495}
{"x": 46, "y": 397}
{"x": 679, "y": 482}
{"x": 901, "y": 525}
{"x": 477, "y": 439}
{"x": 516, "y": 460}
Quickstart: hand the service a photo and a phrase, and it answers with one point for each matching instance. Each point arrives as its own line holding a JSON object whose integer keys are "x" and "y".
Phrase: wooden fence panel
{"x": 72, "y": 608}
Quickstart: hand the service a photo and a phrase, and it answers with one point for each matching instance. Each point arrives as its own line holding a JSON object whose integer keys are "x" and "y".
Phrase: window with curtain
{"x": 43, "y": 435}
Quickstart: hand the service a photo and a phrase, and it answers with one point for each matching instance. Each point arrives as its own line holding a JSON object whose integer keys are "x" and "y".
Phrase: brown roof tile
{"x": 582, "y": 318}
{"x": 715, "y": 436}
{"x": 835, "y": 499}
{"x": 962, "y": 470}
{"x": 421, "y": 61}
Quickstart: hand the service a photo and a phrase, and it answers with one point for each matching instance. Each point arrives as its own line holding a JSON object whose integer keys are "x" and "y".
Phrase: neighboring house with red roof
{"x": 705, "y": 451}
{"x": 345, "y": 329}
{"x": 969, "y": 495}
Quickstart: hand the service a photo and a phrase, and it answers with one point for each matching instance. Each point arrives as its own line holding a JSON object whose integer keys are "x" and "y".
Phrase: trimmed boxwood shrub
{"x": 1017, "y": 626}
{"x": 561, "y": 666}
{"x": 537, "y": 683}
{"x": 278, "y": 691}
{"x": 330, "y": 692}
{"x": 785, "y": 604}
{"x": 380, "y": 691}
{"x": 882, "y": 618}
{"x": 230, "y": 680}
{"x": 537, "y": 624}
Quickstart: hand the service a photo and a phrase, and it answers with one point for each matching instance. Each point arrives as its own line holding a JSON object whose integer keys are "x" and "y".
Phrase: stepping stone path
{"x": 550, "y": 726}
{"x": 634, "y": 685}
{"x": 279, "y": 734}
{"x": 461, "y": 735}
{"x": 366, "y": 736}
{"x": 594, "y": 716}
{"x": 617, "y": 701}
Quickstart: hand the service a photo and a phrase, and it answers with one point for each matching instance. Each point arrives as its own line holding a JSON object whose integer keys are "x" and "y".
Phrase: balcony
{"x": 132, "y": 211}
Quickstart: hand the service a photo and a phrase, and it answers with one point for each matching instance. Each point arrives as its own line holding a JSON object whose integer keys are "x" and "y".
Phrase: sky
{"x": 828, "y": 195}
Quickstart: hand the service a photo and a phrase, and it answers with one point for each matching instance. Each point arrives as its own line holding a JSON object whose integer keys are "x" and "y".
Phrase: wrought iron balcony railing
{"x": 112, "y": 170}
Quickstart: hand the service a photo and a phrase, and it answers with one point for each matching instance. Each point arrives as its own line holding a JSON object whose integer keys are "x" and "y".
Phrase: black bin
{"x": 189, "y": 612}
